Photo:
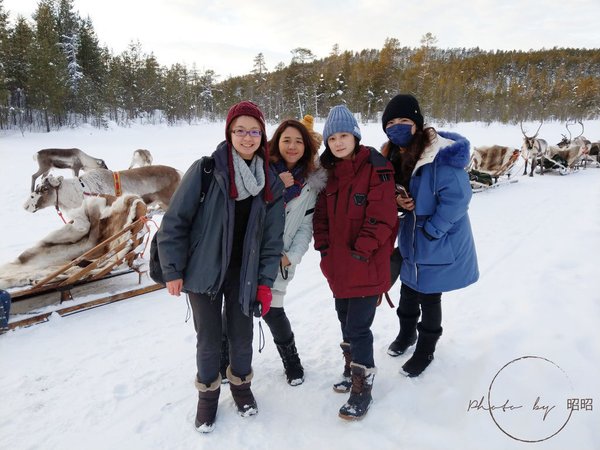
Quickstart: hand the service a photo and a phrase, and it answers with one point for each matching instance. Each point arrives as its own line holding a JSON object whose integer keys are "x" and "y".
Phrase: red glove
{"x": 264, "y": 297}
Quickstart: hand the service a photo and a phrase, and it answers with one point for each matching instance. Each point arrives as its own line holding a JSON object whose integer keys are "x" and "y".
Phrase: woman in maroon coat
{"x": 355, "y": 223}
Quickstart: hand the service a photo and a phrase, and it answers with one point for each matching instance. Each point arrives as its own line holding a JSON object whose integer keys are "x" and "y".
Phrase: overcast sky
{"x": 226, "y": 35}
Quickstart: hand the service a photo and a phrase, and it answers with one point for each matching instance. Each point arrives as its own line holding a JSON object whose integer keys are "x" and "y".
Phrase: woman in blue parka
{"x": 435, "y": 237}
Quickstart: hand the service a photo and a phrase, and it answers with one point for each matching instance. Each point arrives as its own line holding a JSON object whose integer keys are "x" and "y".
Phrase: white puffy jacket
{"x": 298, "y": 230}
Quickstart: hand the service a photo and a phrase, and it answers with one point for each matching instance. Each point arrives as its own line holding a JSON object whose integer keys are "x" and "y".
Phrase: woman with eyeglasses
{"x": 226, "y": 247}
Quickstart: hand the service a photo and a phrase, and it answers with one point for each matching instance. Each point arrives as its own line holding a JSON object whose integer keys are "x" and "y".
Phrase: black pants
{"x": 208, "y": 324}
{"x": 415, "y": 304}
{"x": 279, "y": 325}
{"x": 356, "y": 316}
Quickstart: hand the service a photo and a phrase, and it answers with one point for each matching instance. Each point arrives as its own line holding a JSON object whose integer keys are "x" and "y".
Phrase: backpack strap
{"x": 208, "y": 165}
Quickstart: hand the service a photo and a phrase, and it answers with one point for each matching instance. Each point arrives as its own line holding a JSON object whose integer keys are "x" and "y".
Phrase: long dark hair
{"x": 328, "y": 159}
{"x": 307, "y": 161}
{"x": 404, "y": 160}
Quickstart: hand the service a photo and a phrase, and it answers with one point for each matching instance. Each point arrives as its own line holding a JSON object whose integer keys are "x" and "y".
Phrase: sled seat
{"x": 94, "y": 274}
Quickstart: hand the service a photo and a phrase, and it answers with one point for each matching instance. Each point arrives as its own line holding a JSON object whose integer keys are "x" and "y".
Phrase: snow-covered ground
{"x": 121, "y": 376}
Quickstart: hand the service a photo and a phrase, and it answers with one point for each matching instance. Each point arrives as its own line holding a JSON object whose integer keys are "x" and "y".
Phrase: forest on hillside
{"x": 54, "y": 73}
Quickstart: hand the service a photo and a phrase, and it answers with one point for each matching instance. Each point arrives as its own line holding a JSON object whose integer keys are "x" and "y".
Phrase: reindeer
{"x": 579, "y": 139}
{"x": 154, "y": 184}
{"x": 64, "y": 158}
{"x": 585, "y": 144}
{"x": 565, "y": 142}
{"x": 534, "y": 149}
{"x": 141, "y": 158}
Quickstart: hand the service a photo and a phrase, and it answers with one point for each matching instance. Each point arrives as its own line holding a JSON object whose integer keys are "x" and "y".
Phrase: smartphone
{"x": 402, "y": 191}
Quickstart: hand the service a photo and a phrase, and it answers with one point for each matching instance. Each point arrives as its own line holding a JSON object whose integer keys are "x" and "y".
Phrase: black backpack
{"x": 155, "y": 270}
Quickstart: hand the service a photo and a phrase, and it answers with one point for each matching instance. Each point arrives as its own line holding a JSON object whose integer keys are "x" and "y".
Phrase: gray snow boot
{"x": 294, "y": 371}
{"x": 360, "y": 396}
{"x": 345, "y": 383}
{"x": 208, "y": 401}
{"x": 242, "y": 394}
{"x": 423, "y": 354}
{"x": 406, "y": 337}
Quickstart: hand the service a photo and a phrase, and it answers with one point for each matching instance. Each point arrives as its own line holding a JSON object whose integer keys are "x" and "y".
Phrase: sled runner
{"x": 103, "y": 274}
{"x": 491, "y": 167}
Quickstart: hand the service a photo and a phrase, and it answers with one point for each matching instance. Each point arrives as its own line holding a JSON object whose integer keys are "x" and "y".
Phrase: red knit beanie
{"x": 247, "y": 108}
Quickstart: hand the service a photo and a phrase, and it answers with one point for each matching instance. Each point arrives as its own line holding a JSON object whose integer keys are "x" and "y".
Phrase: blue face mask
{"x": 400, "y": 134}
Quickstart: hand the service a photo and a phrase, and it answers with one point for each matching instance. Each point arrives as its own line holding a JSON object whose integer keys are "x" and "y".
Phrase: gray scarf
{"x": 249, "y": 180}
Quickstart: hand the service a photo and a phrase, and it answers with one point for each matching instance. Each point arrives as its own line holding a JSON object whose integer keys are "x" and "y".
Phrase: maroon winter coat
{"x": 355, "y": 223}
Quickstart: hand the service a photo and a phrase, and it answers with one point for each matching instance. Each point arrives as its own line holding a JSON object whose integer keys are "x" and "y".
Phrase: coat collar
{"x": 450, "y": 149}
{"x": 349, "y": 167}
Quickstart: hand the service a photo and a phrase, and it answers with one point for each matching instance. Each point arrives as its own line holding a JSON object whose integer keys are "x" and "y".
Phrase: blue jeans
{"x": 4, "y": 309}
{"x": 356, "y": 316}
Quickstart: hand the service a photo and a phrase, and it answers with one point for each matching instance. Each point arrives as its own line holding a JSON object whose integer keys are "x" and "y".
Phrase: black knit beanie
{"x": 403, "y": 106}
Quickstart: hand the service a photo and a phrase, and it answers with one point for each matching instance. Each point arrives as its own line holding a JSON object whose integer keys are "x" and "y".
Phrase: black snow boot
{"x": 345, "y": 383}
{"x": 224, "y": 360}
{"x": 360, "y": 396}
{"x": 242, "y": 394}
{"x": 406, "y": 337}
{"x": 208, "y": 400}
{"x": 423, "y": 354}
{"x": 294, "y": 371}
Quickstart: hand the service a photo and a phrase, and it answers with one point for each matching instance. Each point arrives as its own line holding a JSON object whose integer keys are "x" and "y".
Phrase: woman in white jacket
{"x": 293, "y": 155}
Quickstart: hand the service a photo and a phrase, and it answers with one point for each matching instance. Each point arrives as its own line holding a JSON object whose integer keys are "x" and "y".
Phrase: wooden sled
{"x": 89, "y": 275}
{"x": 560, "y": 160}
{"x": 491, "y": 167}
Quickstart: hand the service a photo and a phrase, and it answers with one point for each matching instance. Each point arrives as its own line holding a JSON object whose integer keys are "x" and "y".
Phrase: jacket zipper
{"x": 414, "y": 243}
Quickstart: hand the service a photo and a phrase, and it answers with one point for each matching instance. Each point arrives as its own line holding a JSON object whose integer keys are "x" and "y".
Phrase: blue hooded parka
{"x": 435, "y": 239}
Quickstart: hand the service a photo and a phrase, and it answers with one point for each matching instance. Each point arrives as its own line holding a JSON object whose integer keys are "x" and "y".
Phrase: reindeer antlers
{"x": 582, "y": 129}
{"x": 536, "y": 131}
{"x": 573, "y": 123}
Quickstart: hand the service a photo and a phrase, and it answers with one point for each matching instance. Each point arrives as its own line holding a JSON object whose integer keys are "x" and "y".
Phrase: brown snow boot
{"x": 208, "y": 401}
{"x": 345, "y": 383}
{"x": 242, "y": 394}
{"x": 360, "y": 396}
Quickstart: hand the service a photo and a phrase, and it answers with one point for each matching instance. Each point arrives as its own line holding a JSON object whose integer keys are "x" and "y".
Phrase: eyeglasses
{"x": 239, "y": 132}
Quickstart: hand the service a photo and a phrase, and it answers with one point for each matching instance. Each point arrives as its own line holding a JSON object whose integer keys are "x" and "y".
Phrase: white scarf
{"x": 249, "y": 180}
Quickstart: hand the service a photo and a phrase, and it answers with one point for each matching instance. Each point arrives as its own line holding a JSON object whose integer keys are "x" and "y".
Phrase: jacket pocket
{"x": 433, "y": 252}
{"x": 360, "y": 273}
{"x": 357, "y": 204}
{"x": 324, "y": 264}
{"x": 194, "y": 245}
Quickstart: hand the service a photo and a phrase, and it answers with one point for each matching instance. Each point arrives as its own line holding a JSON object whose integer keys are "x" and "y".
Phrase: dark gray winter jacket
{"x": 195, "y": 239}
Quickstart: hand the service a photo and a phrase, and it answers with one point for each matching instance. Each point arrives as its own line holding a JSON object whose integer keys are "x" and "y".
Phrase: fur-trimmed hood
{"x": 449, "y": 149}
{"x": 317, "y": 179}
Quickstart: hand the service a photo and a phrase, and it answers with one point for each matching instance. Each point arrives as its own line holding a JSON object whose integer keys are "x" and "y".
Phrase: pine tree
{"x": 49, "y": 76}
{"x": 90, "y": 98}
{"x": 4, "y": 90}
{"x": 67, "y": 28}
{"x": 18, "y": 71}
